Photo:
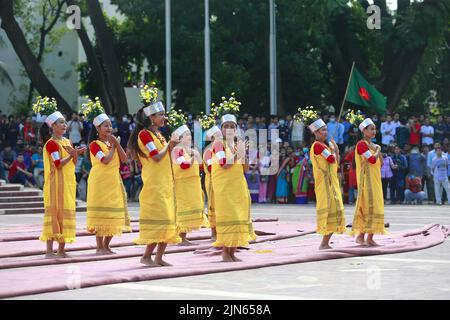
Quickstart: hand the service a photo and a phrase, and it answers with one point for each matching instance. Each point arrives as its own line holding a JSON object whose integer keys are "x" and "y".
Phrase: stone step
{"x": 16, "y": 194}
{"x": 33, "y": 210}
{"x": 21, "y": 205}
{"x": 22, "y": 199}
{"x": 11, "y": 187}
{"x": 31, "y": 204}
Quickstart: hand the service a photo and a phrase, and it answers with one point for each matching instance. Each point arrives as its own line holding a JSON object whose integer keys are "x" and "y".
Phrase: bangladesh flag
{"x": 362, "y": 93}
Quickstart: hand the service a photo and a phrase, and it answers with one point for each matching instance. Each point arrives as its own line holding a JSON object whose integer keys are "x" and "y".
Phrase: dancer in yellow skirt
{"x": 107, "y": 211}
{"x": 369, "y": 211}
{"x": 231, "y": 194}
{"x": 59, "y": 179}
{"x": 213, "y": 132}
{"x": 157, "y": 216}
{"x": 325, "y": 159}
{"x": 207, "y": 165}
{"x": 188, "y": 188}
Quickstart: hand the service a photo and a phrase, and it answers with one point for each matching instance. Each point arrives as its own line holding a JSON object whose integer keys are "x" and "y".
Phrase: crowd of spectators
{"x": 415, "y": 149}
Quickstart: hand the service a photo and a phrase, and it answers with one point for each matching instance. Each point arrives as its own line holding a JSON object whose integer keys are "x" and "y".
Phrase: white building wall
{"x": 63, "y": 61}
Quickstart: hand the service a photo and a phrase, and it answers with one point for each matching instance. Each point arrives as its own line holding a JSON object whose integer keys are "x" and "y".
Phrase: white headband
{"x": 229, "y": 118}
{"x": 154, "y": 108}
{"x": 367, "y": 122}
{"x": 51, "y": 119}
{"x": 98, "y": 120}
{"x": 316, "y": 125}
{"x": 212, "y": 131}
{"x": 181, "y": 130}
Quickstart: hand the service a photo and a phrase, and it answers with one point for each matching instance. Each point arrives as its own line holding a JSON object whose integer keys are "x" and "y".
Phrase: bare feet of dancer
{"x": 325, "y": 244}
{"x": 110, "y": 251}
{"x": 106, "y": 247}
{"x": 63, "y": 255}
{"x": 370, "y": 242}
{"x": 226, "y": 256}
{"x": 213, "y": 234}
{"x": 162, "y": 263}
{"x": 184, "y": 241}
{"x": 50, "y": 255}
{"x": 233, "y": 256}
{"x": 149, "y": 262}
{"x": 360, "y": 239}
{"x": 101, "y": 252}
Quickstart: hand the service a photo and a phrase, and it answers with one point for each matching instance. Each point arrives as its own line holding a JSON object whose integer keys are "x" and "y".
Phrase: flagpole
{"x": 273, "y": 58}
{"x": 207, "y": 60}
{"x": 345, "y": 96}
{"x": 168, "y": 56}
{"x": 346, "y": 91}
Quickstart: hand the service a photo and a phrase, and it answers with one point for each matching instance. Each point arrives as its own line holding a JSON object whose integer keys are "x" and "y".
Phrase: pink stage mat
{"x": 17, "y": 254}
{"x": 268, "y": 253}
{"x": 33, "y": 231}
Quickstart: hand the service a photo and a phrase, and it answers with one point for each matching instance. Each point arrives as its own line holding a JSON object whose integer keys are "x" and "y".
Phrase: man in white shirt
{"x": 297, "y": 129}
{"x": 387, "y": 131}
{"x": 396, "y": 120}
{"x": 75, "y": 127}
{"x": 427, "y": 132}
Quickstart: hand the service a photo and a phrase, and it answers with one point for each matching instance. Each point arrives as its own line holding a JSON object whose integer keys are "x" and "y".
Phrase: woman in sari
{"x": 282, "y": 190}
{"x": 264, "y": 165}
{"x": 300, "y": 180}
{"x": 252, "y": 176}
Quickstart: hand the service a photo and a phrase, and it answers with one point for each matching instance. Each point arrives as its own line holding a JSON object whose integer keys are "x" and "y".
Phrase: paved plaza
{"x": 423, "y": 274}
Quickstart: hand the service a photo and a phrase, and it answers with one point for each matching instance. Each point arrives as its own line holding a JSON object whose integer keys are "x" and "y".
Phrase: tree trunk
{"x": 105, "y": 42}
{"x": 23, "y": 51}
{"x": 94, "y": 63}
{"x": 44, "y": 31}
{"x": 398, "y": 77}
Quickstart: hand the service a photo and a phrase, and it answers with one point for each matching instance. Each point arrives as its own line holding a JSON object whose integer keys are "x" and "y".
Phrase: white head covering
{"x": 98, "y": 120}
{"x": 229, "y": 118}
{"x": 316, "y": 125}
{"x": 51, "y": 119}
{"x": 212, "y": 131}
{"x": 367, "y": 122}
{"x": 154, "y": 108}
{"x": 179, "y": 131}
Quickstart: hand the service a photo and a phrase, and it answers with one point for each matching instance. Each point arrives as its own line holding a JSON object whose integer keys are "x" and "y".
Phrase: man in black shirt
{"x": 439, "y": 129}
{"x": 12, "y": 131}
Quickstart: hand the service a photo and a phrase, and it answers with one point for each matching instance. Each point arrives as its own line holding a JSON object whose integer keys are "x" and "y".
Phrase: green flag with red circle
{"x": 362, "y": 93}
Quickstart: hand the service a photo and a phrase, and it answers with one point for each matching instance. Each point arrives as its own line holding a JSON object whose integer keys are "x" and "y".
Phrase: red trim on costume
{"x": 321, "y": 149}
{"x": 362, "y": 149}
{"x": 181, "y": 160}
{"x": 53, "y": 150}
{"x": 96, "y": 151}
{"x": 147, "y": 140}
{"x": 208, "y": 159}
{"x": 219, "y": 151}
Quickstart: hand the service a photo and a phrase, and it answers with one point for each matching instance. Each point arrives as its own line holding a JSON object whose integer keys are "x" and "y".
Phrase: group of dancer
{"x": 369, "y": 209}
{"x": 172, "y": 202}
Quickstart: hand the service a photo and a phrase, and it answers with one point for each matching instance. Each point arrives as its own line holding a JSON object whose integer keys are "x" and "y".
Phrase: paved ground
{"x": 421, "y": 274}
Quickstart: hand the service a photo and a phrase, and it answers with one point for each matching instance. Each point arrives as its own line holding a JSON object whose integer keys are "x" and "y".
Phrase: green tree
{"x": 105, "y": 38}
{"x": 390, "y": 56}
{"x": 4, "y": 75}
{"x": 26, "y": 56}
{"x": 317, "y": 41}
